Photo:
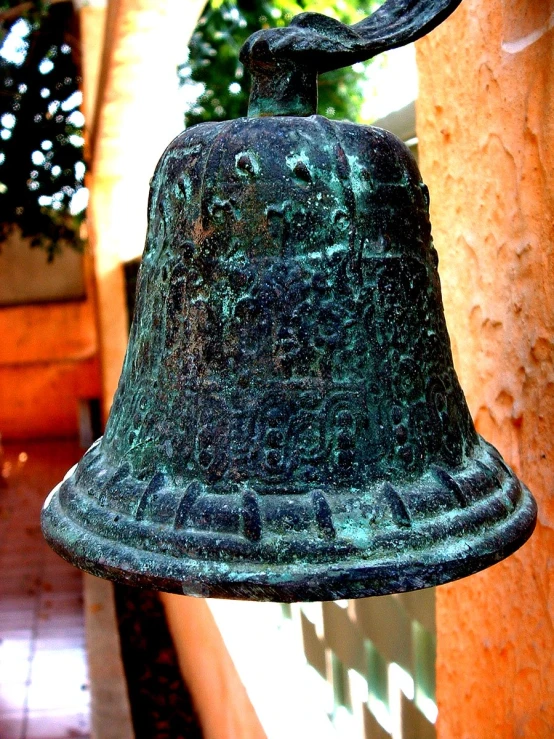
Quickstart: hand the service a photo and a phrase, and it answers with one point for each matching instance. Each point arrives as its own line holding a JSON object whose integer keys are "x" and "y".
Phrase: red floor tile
{"x": 52, "y": 724}
{"x": 11, "y": 725}
{"x": 43, "y": 673}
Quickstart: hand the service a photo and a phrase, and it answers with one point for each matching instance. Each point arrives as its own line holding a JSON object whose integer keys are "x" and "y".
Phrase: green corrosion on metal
{"x": 288, "y": 423}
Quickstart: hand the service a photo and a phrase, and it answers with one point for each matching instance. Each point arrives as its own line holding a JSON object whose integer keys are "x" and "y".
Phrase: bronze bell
{"x": 288, "y": 424}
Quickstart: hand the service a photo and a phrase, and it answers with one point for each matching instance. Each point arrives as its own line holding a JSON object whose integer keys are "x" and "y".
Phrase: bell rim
{"x": 350, "y": 578}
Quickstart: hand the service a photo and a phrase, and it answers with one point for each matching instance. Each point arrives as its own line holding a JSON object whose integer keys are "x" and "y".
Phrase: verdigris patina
{"x": 288, "y": 423}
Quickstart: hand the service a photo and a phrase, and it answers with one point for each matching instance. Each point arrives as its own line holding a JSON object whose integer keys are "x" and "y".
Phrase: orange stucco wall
{"x": 220, "y": 698}
{"x": 48, "y": 362}
{"x": 486, "y": 129}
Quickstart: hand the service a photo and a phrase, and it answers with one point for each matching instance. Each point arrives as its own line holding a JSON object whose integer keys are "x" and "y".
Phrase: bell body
{"x": 288, "y": 423}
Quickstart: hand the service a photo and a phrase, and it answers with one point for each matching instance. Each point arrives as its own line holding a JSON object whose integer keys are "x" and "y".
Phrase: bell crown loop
{"x": 284, "y": 62}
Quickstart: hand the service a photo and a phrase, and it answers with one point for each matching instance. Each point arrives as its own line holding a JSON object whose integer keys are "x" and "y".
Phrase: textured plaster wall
{"x": 486, "y": 128}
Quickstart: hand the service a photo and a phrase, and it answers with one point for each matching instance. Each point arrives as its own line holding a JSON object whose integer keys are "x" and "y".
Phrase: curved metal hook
{"x": 316, "y": 42}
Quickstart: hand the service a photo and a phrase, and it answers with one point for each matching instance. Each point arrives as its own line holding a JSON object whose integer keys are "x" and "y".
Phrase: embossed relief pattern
{"x": 288, "y": 424}
{"x": 293, "y": 348}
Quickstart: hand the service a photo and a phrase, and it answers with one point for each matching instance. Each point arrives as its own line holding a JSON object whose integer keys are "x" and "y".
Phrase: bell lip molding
{"x": 414, "y": 551}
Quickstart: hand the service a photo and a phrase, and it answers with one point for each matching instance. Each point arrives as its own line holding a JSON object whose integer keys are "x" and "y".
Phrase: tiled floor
{"x": 43, "y": 671}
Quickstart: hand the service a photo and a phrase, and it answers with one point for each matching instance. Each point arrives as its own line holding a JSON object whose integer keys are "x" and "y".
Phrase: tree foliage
{"x": 41, "y": 145}
{"x": 214, "y": 69}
